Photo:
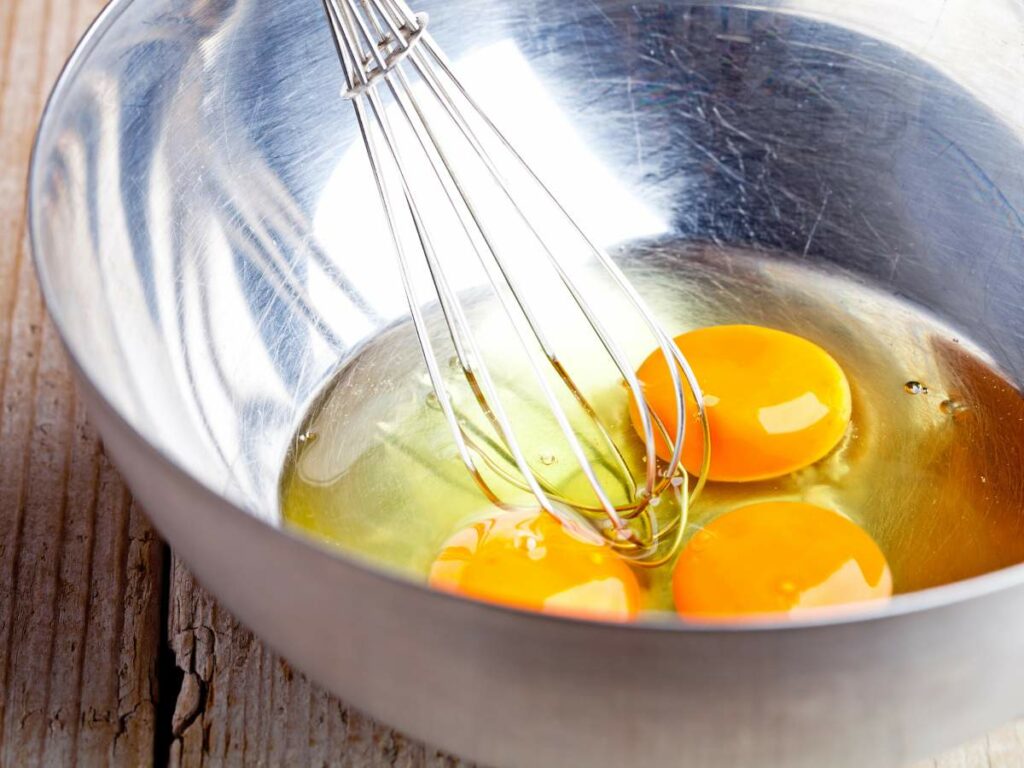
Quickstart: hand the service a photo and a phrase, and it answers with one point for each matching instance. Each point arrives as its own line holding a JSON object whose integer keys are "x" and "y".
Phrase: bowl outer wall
{"x": 511, "y": 689}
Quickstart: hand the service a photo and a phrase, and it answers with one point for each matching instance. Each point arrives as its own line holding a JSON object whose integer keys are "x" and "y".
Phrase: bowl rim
{"x": 932, "y": 598}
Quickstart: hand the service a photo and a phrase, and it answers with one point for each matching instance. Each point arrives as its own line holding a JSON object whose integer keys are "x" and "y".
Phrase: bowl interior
{"x": 210, "y": 255}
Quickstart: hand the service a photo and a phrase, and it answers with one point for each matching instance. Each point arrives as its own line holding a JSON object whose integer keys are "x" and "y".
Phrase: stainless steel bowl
{"x": 192, "y": 185}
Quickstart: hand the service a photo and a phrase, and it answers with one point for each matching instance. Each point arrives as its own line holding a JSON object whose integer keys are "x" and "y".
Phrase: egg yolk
{"x": 530, "y": 560}
{"x": 775, "y": 402}
{"x": 777, "y": 557}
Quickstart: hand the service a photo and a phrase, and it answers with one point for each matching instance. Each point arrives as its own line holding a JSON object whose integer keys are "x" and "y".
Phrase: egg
{"x": 530, "y": 560}
{"x": 775, "y": 402}
{"x": 777, "y": 557}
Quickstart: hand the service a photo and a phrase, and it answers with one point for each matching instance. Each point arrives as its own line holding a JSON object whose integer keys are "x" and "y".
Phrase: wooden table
{"x": 109, "y": 650}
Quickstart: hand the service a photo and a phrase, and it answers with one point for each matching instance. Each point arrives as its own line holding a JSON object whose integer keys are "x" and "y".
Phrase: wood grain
{"x": 87, "y": 675}
{"x": 240, "y": 704}
{"x": 1002, "y": 748}
{"x": 80, "y": 567}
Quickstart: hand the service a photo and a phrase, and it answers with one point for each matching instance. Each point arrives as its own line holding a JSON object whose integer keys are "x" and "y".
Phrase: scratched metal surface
{"x": 190, "y": 160}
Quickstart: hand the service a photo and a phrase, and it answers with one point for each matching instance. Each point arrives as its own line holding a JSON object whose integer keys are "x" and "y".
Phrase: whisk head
{"x": 451, "y": 183}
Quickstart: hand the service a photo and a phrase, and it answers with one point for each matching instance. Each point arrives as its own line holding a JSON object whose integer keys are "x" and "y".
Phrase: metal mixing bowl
{"x": 192, "y": 185}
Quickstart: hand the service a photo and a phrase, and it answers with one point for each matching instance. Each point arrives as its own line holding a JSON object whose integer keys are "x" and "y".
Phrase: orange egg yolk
{"x": 777, "y": 557}
{"x": 775, "y": 402}
{"x": 530, "y": 560}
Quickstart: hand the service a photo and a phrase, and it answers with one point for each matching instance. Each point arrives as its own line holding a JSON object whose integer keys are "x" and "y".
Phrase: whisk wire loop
{"x": 450, "y": 305}
{"x": 373, "y": 39}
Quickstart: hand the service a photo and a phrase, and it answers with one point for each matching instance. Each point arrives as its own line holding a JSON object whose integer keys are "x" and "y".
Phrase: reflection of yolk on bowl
{"x": 777, "y": 557}
{"x": 529, "y": 560}
{"x": 775, "y": 402}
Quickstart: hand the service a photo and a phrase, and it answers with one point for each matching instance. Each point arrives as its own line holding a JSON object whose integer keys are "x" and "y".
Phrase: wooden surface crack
{"x": 238, "y": 703}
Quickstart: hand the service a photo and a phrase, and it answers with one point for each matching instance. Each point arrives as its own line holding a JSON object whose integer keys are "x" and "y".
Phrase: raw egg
{"x": 775, "y": 402}
{"x": 530, "y": 560}
{"x": 777, "y": 557}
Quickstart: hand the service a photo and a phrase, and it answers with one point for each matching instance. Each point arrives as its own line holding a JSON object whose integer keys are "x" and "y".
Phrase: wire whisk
{"x": 432, "y": 127}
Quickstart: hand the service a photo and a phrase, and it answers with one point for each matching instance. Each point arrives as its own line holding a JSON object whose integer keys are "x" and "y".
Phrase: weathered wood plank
{"x": 1002, "y": 748}
{"x": 239, "y": 704}
{"x": 80, "y": 568}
